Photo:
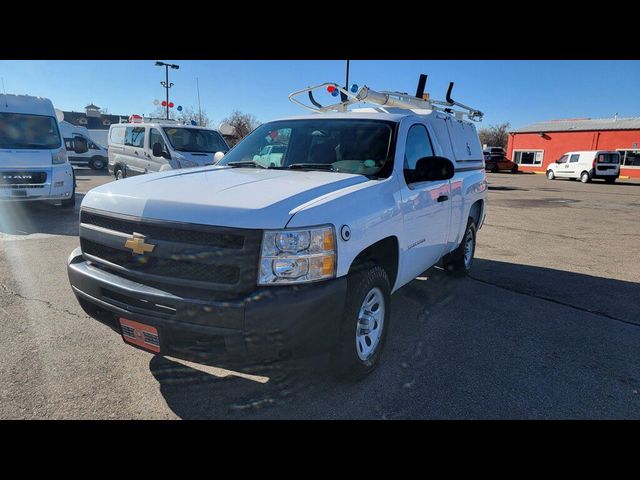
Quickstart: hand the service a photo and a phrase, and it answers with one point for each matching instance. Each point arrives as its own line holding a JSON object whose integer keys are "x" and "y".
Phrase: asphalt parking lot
{"x": 547, "y": 326}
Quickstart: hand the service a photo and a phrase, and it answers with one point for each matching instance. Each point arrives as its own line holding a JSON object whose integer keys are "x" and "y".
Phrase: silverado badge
{"x": 137, "y": 244}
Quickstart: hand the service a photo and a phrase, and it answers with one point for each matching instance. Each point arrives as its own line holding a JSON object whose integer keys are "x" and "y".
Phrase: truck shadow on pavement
{"x": 490, "y": 346}
{"x": 27, "y": 218}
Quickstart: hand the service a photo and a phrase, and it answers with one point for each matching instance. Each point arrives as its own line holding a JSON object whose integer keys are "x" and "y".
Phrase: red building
{"x": 535, "y": 146}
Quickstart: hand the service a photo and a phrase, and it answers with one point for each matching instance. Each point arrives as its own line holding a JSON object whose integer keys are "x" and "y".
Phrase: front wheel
{"x": 459, "y": 261}
{"x": 550, "y": 174}
{"x": 364, "y": 323}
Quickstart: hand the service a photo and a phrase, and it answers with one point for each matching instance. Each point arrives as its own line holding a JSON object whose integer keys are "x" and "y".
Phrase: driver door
{"x": 426, "y": 209}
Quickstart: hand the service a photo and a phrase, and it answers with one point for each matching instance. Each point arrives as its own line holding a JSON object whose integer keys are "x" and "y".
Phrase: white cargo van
{"x": 586, "y": 165}
{"x": 136, "y": 148}
{"x": 295, "y": 255}
{"x": 96, "y": 155}
{"x": 33, "y": 158}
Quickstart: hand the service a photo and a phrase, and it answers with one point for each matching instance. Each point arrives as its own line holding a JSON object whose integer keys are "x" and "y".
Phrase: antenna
{"x": 199, "y": 109}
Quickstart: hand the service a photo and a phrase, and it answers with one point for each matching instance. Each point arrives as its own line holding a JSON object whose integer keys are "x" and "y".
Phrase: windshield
{"x": 195, "y": 140}
{"x": 341, "y": 145}
{"x": 22, "y": 131}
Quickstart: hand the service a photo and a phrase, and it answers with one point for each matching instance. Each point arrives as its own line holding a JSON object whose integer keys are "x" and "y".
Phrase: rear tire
{"x": 551, "y": 175}
{"x": 494, "y": 169}
{"x": 97, "y": 163}
{"x": 514, "y": 169}
{"x": 610, "y": 180}
{"x": 460, "y": 261}
{"x": 365, "y": 323}
{"x": 118, "y": 173}
{"x": 585, "y": 177}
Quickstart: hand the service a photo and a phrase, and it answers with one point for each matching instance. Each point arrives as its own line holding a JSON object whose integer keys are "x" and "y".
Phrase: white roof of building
{"x": 582, "y": 124}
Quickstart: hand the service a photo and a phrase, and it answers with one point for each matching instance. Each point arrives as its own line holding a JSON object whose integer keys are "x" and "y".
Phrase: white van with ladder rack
{"x": 294, "y": 250}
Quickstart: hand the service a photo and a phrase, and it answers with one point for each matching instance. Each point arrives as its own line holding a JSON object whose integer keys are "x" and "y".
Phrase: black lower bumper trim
{"x": 269, "y": 323}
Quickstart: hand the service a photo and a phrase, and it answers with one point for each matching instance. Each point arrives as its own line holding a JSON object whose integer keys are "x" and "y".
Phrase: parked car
{"x": 137, "y": 148}
{"x": 496, "y": 163}
{"x": 33, "y": 160}
{"x": 271, "y": 155}
{"x": 246, "y": 261}
{"x": 96, "y": 155}
{"x": 495, "y": 151}
{"x": 586, "y": 165}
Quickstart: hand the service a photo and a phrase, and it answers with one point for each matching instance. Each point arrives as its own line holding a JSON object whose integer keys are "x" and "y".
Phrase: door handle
{"x": 443, "y": 198}
{"x": 136, "y": 152}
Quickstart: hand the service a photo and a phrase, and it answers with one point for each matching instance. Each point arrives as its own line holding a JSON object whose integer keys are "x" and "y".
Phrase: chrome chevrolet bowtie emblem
{"x": 137, "y": 244}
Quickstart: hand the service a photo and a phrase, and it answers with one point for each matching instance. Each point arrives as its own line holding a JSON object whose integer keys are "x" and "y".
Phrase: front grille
{"x": 22, "y": 178}
{"x": 217, "y": 259}
{"x": 164, "y": 267}
{"x": 159, "y": 232}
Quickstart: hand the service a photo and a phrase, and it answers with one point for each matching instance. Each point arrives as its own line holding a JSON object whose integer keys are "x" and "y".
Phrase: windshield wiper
{"x": 246, "y": 163}
{"x": 312, "y": 166}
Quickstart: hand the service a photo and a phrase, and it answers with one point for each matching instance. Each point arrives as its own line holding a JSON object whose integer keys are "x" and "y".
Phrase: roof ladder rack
{"x": 385, "y": 99}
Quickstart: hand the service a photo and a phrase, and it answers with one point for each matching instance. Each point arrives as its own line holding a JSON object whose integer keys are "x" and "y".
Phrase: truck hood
{"x": 224, "y": 196}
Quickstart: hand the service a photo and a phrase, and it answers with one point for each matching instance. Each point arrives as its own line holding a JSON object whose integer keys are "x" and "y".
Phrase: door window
{"x": 418, "y": 146}
{"x": 563, "y": 159}
{"x": 156, "y": 137}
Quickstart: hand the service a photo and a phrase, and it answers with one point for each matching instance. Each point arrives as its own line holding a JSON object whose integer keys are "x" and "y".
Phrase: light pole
{"x": 166, "y": 83}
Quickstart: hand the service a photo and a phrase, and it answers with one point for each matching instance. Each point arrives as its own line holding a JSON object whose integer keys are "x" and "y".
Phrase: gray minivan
{"x": 136, "y": 148}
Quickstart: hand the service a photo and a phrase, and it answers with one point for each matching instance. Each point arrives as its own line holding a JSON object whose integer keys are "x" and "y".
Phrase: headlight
{"x": 298, "y": 256}
{"x": 59, "y": 157}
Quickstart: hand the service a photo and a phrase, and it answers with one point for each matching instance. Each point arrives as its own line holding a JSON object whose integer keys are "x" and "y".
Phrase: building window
{"x": 528, "y": 157}
{"x": 629, "y": 158}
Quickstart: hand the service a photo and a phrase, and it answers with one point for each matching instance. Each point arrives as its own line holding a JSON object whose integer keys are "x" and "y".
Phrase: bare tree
{"x": 185, "y": 116}
{"x": 495, "y": 135}
{"x": 243, "y": 124}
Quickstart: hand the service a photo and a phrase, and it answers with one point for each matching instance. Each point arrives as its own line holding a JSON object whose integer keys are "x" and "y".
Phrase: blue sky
{"x": 518, "y": 92}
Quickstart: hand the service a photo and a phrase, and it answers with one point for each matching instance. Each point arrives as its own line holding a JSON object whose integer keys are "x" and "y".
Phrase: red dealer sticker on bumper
{"x": 139, "y": 334}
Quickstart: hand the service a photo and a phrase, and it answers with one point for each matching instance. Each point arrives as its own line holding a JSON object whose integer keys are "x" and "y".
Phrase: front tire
{"x": 551, "y": 175}
{"x": 365, "y": 322}
{"x": 460, "y": 261}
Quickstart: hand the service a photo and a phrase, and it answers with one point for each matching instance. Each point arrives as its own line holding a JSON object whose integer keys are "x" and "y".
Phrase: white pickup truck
{"x": 243, "y": 260}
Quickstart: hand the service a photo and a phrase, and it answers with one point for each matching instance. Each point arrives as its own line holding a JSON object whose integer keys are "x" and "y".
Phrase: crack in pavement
{"x": 5, "y": 289}
{"x": 553, "y": 300}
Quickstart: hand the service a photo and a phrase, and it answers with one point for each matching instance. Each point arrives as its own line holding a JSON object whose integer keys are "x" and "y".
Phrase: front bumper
{"x": 58, "y": 185}
{"x": 268, "y": 324}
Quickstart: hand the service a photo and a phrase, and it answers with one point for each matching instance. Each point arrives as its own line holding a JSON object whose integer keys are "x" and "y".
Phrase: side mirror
{"x": 80, "y": 145}
{"x": 431, "y": 168}
{"x": 157, "y": 150}
{"x": 217, "y": 157}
